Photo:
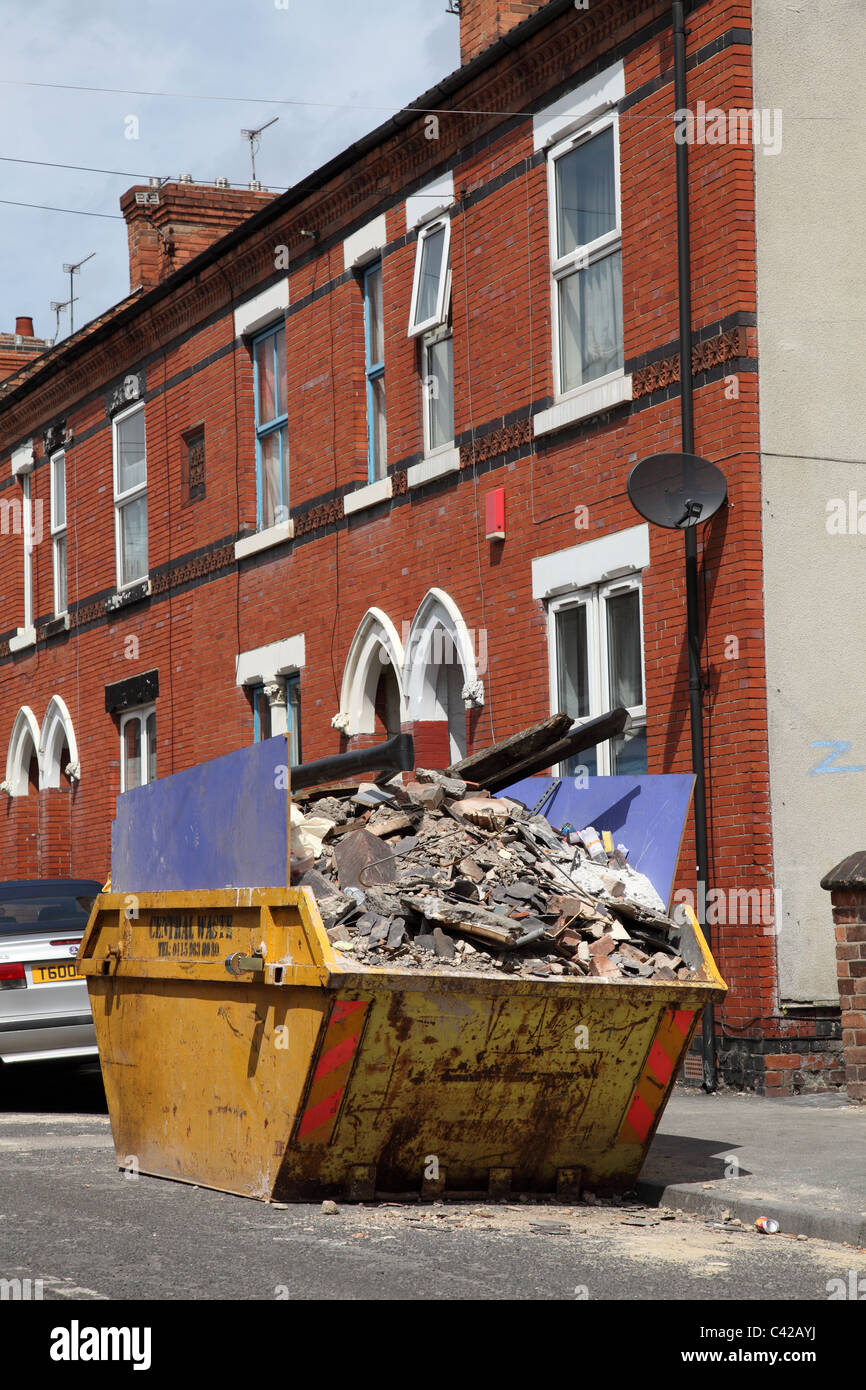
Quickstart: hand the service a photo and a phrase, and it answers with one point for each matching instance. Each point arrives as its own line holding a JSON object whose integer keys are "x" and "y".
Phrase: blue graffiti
{"x": 839, "y": 746}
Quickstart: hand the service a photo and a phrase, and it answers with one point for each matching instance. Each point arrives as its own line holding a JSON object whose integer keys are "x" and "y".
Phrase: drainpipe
{"x": 684, "y": 287}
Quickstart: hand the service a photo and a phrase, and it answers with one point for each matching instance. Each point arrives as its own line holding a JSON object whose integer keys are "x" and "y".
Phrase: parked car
{"x": 44, "y": 1007}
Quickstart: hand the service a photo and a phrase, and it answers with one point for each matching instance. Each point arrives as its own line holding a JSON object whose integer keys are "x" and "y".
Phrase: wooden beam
{"x": 480, "y": 767}
{"x": 587, "y": 736}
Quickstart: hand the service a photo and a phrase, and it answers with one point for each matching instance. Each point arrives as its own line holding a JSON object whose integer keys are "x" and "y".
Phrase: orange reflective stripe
{"x": 336, "y": 1056}
{"x": 640, "y": 1117}
{"x": 682, "y": 1020}
{"x": 659, "y": 1063}
{"x": 344, "y": 1007}
{"x": 317, "y": 1115}
{"x": 336, "y": 1060}
{"x": 649, "y": 1093}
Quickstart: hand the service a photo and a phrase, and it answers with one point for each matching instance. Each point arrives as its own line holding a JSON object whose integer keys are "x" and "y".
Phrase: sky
{"x": 361, "y": 61}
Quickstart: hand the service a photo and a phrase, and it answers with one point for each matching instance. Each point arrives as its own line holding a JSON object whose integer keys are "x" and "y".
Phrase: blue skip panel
{"x": 221, "y": 824}
{"x": 646, "y": 814}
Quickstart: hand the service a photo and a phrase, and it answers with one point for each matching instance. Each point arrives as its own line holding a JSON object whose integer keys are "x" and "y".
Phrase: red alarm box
{"x": 494, "y": 514}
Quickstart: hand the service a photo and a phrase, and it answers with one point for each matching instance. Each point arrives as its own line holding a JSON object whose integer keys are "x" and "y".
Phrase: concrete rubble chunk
{"x": 384, "y": 822}
{"x": 423, "y": 794}
{"x": 452, "y": 786}
{"x": 486, "y": 812}
{"x": 443, "y": 945}
{"x": 380, "y": 931}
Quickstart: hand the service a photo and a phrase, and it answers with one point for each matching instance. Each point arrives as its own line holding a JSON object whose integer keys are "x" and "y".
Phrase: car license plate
{"x": 55, "y": 974}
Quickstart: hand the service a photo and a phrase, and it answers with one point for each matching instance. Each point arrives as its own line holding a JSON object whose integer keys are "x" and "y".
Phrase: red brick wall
{"x": 390, "y": 557}
{"x": 13, "y": 357}
{"x": 849, "y": 917}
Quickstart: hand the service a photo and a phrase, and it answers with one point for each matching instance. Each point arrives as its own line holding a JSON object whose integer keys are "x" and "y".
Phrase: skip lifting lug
{"x": 238, "y": 964}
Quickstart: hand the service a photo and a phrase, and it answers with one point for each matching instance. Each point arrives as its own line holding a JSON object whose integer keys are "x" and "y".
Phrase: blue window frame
{"x": 293, "y": 703}
{"x": 272, "y": 434}
{"x": 374, "y": 339}
{"x": 262, "y": 716}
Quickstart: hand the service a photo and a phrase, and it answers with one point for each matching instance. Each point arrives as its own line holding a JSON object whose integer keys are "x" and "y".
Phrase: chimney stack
{"x": 170, "y": 225}
{"x": 20, "y": 347}
{"x": 482, "y": 22}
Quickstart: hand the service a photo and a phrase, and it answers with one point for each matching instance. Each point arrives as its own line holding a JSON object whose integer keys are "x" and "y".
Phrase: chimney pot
{"x": 24, "y": 326}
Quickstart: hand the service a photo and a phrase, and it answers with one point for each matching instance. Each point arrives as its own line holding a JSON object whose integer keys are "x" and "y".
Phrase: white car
{"x": 44, "y": 1008}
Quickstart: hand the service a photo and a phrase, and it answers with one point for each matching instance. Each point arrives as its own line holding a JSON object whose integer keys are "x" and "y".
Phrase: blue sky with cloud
{"x": 361, "y": 61}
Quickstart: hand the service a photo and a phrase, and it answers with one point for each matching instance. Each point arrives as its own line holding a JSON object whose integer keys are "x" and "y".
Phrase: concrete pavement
{"x": 800, "y": 1160}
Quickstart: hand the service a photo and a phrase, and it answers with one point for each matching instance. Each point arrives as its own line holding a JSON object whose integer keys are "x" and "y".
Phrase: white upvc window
{"x": 596, "y": 665}
{"x": 58, "y": 531}
{"x": 138, "y": 747}
{"x": 27, "y": 527}
{"x": 431, "y": 288}
{"x": 437, "y": 380}
{"x": 130, "y": 496}
{"x": 586, "y": 258}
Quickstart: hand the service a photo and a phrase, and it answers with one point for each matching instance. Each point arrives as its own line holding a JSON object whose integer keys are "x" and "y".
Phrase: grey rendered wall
{"x": 809, "y": 60}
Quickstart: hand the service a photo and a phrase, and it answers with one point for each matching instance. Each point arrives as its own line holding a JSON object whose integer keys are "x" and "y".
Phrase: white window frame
{"x": 594, "y": 597}
{"x": 58, "y": 532}
{"x": 443, "y": 299}
{"x": 27, "y": 528}
{"x": 142, "y": 713}
{"x": 429, "y": 341}
{"x": 582, "y": 256}
{"x": 121, "y": 499}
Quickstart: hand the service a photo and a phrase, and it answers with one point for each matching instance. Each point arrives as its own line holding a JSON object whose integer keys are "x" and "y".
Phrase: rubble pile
{"x": 438, "y": 875}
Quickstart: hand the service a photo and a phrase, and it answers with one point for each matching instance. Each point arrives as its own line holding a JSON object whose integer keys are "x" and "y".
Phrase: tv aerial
{"x": 676, "y": 491}
{"x": 254, "y": 137}
{"x": 71, "y": 269}
{"x": 57, "y": 308}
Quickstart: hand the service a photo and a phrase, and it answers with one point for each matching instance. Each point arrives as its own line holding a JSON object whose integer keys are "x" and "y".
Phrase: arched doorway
{"x": 371, "y": 697}
{"x": 440, "y": 672}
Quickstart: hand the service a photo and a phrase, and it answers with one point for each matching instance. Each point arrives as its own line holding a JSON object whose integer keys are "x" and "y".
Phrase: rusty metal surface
{"x": 313, "y": 1077}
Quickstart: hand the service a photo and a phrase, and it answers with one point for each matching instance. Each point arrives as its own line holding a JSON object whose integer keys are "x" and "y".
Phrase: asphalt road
{"x": 71, "y": 1219}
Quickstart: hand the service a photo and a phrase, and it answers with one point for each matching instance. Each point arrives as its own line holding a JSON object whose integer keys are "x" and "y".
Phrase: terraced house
{"x": 353, "y": 459}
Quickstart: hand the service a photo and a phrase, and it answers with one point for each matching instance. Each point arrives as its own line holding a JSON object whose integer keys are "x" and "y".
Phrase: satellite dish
{"x": 676, "y": 490}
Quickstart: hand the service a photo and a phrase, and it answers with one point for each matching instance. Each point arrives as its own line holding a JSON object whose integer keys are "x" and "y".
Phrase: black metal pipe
{"x": 696, "y": 709}
{"x": 397, "y": 755}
